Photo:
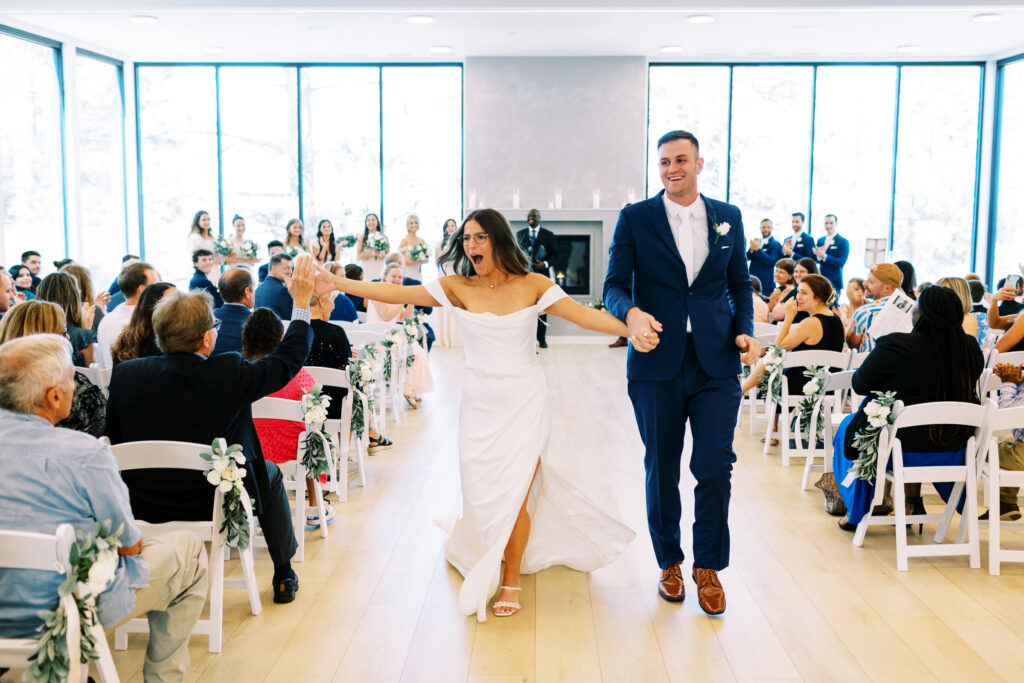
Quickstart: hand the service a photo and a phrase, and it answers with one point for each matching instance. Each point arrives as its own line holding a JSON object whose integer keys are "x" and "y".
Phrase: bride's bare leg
{"x": 514, "y": 550}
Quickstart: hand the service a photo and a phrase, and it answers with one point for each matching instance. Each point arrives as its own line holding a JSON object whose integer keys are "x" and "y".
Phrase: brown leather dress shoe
{"x": 671, "y": 586}
{"x": 618, "y": 343}
{"x": 710, "y": 594}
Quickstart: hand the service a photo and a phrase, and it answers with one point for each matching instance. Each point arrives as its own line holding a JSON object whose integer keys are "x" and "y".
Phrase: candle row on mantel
{"x": 477, "y": 202}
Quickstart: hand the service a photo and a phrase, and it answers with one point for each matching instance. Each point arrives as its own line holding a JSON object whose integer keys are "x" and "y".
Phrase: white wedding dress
{"x": 504, "y": 426}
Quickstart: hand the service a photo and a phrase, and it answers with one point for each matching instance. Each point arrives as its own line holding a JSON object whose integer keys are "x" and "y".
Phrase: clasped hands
{"x": 1008, "y": 372}
{"x": 644, "y": 330}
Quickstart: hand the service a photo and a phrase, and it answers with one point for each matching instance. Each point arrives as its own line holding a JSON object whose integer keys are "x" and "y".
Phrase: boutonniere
{"x": 721, "y": 230}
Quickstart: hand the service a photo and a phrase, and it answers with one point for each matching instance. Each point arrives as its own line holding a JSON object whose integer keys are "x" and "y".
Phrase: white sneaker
{"x": 313, "y": 515}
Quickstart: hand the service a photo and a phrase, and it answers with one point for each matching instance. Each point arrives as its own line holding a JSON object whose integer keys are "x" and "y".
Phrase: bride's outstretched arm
{"x": 375, "y": 291}
{"x": 588, "y": 318}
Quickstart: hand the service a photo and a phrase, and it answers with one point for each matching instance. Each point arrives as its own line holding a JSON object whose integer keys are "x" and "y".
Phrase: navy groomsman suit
{"x": 803, "y": 248}
{"x": 762, "y": 262}
{"x": 201, "y": 281}
{"x": 831, "y": 266}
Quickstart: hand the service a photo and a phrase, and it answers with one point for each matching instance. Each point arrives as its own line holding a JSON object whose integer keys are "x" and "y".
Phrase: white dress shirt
{"x": 108, "y": 331}
{"x": 689, "y": 225}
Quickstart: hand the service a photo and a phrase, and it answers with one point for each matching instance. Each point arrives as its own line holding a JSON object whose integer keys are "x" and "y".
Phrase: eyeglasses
{"x": 216, "y": 324}
{"x": 478, "y": 237}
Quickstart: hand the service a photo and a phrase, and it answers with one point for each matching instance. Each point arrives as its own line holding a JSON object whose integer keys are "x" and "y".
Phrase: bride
{"x": 517, "y": 504}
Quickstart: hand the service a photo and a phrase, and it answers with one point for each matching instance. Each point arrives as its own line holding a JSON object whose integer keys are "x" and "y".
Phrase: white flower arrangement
{"x": 227, "y": 470}
{"x": 721, "y": 230}
{"x": 420, "y": 253}
{"x": 391, "y": 340}
{"x": 223, "y": 246}
{"x": 249, "y": 249}
{"x": 377, "y": 243}
{"x": 770, "y": 382}
{"x": 94, "y": 563}
{"x": 315, "y": 444}
{"x": 294, "y": 251}
{"x": 880, "y": 414}
{"x": 814, "y": 393}
{"x": 415, "y": 333}
{"x": 360, "y": 378}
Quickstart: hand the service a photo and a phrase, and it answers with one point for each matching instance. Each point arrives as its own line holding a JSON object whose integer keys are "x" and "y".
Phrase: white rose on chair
{"x": 315, "y": 415}
{"x": 878, "y": 415}
{"x": 103, "y": 569}
{"x": 811, "y": 388}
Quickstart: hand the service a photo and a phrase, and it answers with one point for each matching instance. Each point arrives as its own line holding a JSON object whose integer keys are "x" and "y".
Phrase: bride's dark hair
{"x": 507, "y": 254}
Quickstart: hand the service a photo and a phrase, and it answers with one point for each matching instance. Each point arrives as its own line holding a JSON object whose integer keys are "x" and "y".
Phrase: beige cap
{"x": 889, "y": 274}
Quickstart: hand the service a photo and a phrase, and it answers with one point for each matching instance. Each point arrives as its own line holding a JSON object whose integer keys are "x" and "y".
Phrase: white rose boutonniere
{"x": 721, "y": 230}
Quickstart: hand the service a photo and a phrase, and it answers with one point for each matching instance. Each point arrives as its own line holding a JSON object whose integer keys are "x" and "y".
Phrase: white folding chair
{"x": 50, "y": 553}
{"x": 830, "y": 405}
{"x": 293, "y": 472}
{"x": 361, "y": 315}
{"x": 98, "y": 376}
{"x": 1003, "y": 421}
{"x": 857, "y": 359}
{"x": 178, "y": 455}
{"x": 758, "y": 408}
{"x": 991, "y": 337}
{"x": 348, "y": 326}
{"x": 1012, "y": 357}
{"x": 765, "y": 329}
{"x": 788, "y": 405}
{"x": 890, "y": 449}
{"x": 341, "y": 430}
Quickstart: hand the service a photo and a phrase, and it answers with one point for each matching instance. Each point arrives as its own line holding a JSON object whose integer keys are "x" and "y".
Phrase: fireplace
{"x": 572, "y": 272}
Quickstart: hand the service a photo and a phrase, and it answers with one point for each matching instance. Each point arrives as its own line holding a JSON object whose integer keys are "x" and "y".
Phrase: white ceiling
{"x": 329, "y": 31}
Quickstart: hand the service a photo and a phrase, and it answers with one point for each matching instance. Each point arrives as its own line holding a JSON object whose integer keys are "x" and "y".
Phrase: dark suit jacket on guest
{"x": 200, "y": 281}
{"x": 263, "y": 272}
{"x": 544, "y": 248}
{"x": 186, "y": 397}
{"x": 344, "y": 309}
{"x": 835, "y": 258}
{"x": 762, "y": 262}
{"x": 804, "y": 247}
{"x": 273, "y": 294}
{"x": 232, "y": 317}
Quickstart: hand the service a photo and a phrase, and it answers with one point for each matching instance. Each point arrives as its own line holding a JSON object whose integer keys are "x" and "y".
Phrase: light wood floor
{"x": 378, "y": 602}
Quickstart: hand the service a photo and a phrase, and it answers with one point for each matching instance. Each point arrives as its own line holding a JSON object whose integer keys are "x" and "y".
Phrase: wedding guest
{"x": 1011, "y": 306}
{"x": 62, "y": 289}
{"x": 344, "y": 309}
{"x": 799, "y": 244}
{"x": 211, "y": 398}
{"x": 832, "y": 252}
{"x": 22, "y": 277}
{"x": 237, "y": 257}
{"x": 963, "y": 292}
{"x": 202, "y": 261}
{"x": 784, "y": 284}
{"x": 399, "y": 259}
{"x": 447, "y": 230}
{"x": 978, "y": 308}
{"x": 803, "y": 267}
{"x": 116, "y": 295}
{"x": 273, "y": 293}
{"x": 763, "y": 252}
{"x": 541, "y": 247}
{"x": 273, "y": 247}
{"x": 854, "y": 299}
{"x": 32, "y": 261}
{"x": 163, "y": 577}
{"x": 1011, "y": 447}
{"x": 294, "y": 241}
{"x": 406, "y": 246}
{"x": 88, "y": 405}
{"x": 1013, "y": 338}
{"x": 324, "y": 248}
{"x": 354, "y": 272}
{"x": 934, "y": 362}
{"x": 138, "y": 340}
{"x": 417, "y": 379}
{"x": 279, "y": 439}
{"x": 373, "y": 261}
{"x": 885, "y": 278}
{"x": 6, "y": 293}
{"x": 201, "y": 237}
{"x": 761, "y": 313}
{"x": 86, "y": 291}
{"x": 909, "y": 285}
{"x": 132, "y": 280}
{"x": 236, "y": 289}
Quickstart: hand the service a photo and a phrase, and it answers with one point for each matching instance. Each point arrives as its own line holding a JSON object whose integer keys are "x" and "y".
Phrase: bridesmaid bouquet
{"x": 227, "y": 470}
{"x": 420, "y": 253}
{"x": 377, "y": 243}
{"x": 223, "y": 246}
{"x": 346, "y": 241}
{"x": 94, "y": 563}
{"x": 249, "y": 249}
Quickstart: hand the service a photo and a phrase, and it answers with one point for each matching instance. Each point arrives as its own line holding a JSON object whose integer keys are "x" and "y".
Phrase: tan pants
{"x": 172, "y": 602}
{"x": 1011, "y": 457}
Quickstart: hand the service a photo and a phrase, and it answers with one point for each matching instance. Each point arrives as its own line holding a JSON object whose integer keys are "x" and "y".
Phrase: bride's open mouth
{"x": 477, "y": 259}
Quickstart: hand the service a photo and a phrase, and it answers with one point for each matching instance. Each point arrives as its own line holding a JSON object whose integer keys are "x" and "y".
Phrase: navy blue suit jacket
{"x": 273, "y": 294}
{"x": 264, "y": 271}
{"x": 832, "y": 265}
{"x": 646, "y": 270}
{"x": 200, "y": 281}
{"x": 232, "y": 317}
{"x": 762, "y": 262}
{"x": 804, "y": 248}
{"x": 116, "y": 299}
{"x": 344, "y": 309}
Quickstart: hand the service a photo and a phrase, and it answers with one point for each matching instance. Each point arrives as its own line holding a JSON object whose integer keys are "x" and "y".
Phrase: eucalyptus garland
{"x": 227, "y": 469}
{"x": 880, "y": 414}
{"x": 94, "y": 563}
{"x": 390, "y": 341}
{"x": 315, "y": 443}
{"x": 360, "y": 379}
{"x": 770, "y": 382}
{"x": 814, "y": 393}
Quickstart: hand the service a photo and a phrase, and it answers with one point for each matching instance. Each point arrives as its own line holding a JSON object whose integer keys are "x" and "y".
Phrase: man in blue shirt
{"x": 762, "y": 253}
{"x": 202, "y": 260}
{"x": 798, "y": 245}
{"x": 236, "y": 289}
{"x": 831, "y": 253}
{"x": 273, "y": 247}
{"x": 54, "y": 476}
{"x": 273, "y": 292}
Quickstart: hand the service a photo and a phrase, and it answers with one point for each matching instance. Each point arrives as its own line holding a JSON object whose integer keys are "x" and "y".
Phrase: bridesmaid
{"x": 293, "y": 238}
{"x": 373, "y": 261}
{"x": 325, "y": 249}
{"x": 236, "y": 257}
{"x": 450, "y": 226}
{"x": 201, "y": 237}
{"x": 418, "y": 379}
{"x": 411, "y": 239}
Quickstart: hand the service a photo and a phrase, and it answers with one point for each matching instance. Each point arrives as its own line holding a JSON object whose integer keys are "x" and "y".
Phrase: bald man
{"x": 236, "y": 288}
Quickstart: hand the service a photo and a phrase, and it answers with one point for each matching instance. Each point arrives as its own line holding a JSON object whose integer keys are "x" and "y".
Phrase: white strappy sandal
{"x": 515, "y": 606}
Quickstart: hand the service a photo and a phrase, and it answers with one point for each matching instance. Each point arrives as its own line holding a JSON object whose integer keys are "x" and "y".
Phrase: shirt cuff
{"x": 301, "y": 314}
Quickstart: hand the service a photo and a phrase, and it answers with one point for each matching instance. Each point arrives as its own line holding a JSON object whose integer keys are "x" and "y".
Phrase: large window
{"x": 100, "y": 232}
{"x": 259, "y": 149}
{"x": 422, "y": 116}
{"x": 178, "y": 155}
{"x": 936, "y": 168}
{"x": 31, "y": 159}
{"x": 853, "y": 136}
{"x": 695, "y": 99}
{"x": 1009, "y": 234}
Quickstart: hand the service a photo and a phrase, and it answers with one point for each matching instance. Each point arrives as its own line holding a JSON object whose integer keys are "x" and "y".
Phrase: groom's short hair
{"x": 674, "y": 135}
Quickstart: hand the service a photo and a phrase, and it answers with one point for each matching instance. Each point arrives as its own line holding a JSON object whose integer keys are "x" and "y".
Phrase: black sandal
{"x": 381, "y": 443}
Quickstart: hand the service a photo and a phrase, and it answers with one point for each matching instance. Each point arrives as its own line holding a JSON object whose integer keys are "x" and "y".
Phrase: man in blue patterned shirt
{"x": 54, "y": 476}
{"x": 1011, "y": 448}
{"x": 885, "y": 278}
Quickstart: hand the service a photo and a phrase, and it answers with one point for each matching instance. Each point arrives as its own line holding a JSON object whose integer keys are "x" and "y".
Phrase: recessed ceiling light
{"x": 987, "y": 17}
{"x": 672, "y": 49}
{"x": 420, "y": 19}
{"x": 441, "y": 50}
{"x": 907, "y": 49}
{"x": 147, "y": 19}
{"x": 700, "y": 18}
{"x": 212, "y": 49}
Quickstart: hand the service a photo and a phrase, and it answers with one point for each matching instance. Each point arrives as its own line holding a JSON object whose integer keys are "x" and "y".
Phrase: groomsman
{"x": 539, "y": 244}
{"x": 831, "y": 253}
{"x": 799, "y": 245}
{"x": 762, "y": 253}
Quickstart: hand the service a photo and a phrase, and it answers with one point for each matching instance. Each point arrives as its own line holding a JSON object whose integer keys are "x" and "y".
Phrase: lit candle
{"x": 597, "y": 199}
{"x": 558, "y": 199}
{"x": 515, "y": 198}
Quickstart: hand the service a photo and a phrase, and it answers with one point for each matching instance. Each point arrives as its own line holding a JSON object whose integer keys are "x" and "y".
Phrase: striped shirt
{"x": 861, "y": 323}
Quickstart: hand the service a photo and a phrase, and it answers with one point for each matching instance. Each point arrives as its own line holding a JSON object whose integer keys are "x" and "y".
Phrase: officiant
{"x": 539, "y": 244}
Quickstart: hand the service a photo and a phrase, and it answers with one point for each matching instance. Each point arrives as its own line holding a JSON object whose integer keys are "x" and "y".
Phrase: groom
{"x": 677, "y": 275}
